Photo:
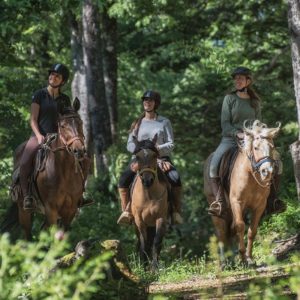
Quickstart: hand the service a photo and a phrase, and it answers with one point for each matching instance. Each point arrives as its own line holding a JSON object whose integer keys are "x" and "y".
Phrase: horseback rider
{"x": 240, "y": 105}
{"x": 46, "y": 104}
{"x": 149, "y": 124}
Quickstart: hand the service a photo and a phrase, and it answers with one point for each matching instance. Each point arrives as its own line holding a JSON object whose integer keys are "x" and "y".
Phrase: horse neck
{"x": 154, "y": 191}
{"x": 245, "y": 163}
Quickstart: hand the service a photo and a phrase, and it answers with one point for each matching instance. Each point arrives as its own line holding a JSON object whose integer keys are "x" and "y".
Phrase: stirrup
{"x": 28, "y": 203}
{"x": 85, "y": 202}
{"x": 177, "y": 218}
{"x": 125, "y": 218}
{"x": 216, "y": 209}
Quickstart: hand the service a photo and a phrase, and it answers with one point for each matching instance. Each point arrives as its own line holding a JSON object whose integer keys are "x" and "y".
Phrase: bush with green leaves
{"x": 25, "y": 271}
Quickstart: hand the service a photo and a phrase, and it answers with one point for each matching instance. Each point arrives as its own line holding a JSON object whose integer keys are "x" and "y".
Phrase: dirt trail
{"x": 233, "y": 287}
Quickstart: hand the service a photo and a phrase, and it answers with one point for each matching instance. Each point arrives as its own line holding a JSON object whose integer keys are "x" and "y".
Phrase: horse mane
{"x": 146, "y": 144}
{"x": 68, "y": 112}
{"x": 257, "y": 128}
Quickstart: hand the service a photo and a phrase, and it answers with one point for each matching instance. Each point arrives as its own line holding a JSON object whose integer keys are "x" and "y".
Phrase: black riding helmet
{"x": 152, "y": 95}
{"x": 241, "y": 71}
{"x": 62, "y": 70}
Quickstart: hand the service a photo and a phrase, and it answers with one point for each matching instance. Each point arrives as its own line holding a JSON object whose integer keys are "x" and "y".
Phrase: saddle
{"x": 226, "y": 166}
{"x": 39, "y": 166}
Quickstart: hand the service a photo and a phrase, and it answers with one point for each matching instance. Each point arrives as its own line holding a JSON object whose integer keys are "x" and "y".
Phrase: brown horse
{"x": 149, "y": 203}
{"x": 60, "y": 182}
{"x": 249, "y": 188}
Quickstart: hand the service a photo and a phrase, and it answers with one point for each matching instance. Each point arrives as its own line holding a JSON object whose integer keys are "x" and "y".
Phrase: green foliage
{"x": 27, "y": 273}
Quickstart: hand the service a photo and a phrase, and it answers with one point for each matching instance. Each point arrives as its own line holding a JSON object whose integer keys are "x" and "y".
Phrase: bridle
{"x": 153, "y": 171}
{"x": 68, "y": 143}
{"x": 256, "y": 164}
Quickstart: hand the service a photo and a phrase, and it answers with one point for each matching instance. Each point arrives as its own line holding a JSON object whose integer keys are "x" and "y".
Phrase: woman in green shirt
{"x": 242, "y": 104}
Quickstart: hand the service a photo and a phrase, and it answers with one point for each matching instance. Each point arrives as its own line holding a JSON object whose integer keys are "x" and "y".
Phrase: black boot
{"x": 85, "y": 202}
{"x": 274, "y": 204}
{"x": 218, "y": 207}
{"x": 28, "y": 203}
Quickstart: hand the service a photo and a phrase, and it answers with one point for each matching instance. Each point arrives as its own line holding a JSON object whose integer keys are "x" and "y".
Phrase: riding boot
{"x": 27, "y": 197}
{"x": 218, "y": 207}
{"x": 274, "y": 204}
{"x": 126, "y": 216}
{"x": 177, "y": 195}
{"x": 85, "y": 202}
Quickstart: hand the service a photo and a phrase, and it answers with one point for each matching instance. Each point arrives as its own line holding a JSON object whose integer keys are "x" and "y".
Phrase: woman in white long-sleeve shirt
{"x": 146, "y": 127}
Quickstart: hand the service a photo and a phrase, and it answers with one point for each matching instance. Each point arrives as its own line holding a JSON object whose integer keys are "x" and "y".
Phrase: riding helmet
{"x": 152, "y": 95}
{"x": 241, "y": 71}
{"x": 60, "y": 69}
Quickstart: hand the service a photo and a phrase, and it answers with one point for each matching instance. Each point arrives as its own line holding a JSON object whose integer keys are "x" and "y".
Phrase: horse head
{"x": 146, "y": 156}
{"x": 70, "y": 130}
{"x": 259, "y": 147}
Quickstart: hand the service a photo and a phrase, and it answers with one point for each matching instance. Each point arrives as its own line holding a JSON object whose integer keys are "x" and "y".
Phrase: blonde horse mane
{"x": 257, "y": 128}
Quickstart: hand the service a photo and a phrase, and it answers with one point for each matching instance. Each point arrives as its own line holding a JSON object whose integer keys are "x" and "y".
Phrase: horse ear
{"x": 76, "y": 104}
{"x": 273, "y": 132}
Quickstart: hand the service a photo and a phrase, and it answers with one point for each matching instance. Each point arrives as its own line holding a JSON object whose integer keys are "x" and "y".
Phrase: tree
{"x": 110, "y": 64}
{"x": 97, "y": 105}
{"x": 294, "y": 26}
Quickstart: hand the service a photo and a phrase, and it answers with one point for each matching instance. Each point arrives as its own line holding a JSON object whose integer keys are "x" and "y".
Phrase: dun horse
{"x": 60, "y": 181}
{"x": 149, "y": 203}
{"x": 249, "y": 188}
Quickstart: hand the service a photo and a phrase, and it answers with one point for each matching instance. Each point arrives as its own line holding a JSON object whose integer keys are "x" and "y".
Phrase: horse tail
{"x": 11, "y": 219}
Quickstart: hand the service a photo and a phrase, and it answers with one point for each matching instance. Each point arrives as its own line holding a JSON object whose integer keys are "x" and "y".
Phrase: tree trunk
{"x": 294, "y": 26}
{"x": 110, "y": 65}
{"x": 78, "y": 84}
{"x": 92, "y": 56}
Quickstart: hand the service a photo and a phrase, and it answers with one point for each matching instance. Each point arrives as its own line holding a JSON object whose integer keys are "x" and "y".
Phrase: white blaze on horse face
{"x": 145, "y": 153}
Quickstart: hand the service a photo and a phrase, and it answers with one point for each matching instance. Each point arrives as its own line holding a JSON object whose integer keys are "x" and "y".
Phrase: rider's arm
{"x": 35, "y": 109}
{"x": 131, "y": 143}
{"x": 168, "y": 144}
{"x": 226, "y": 119}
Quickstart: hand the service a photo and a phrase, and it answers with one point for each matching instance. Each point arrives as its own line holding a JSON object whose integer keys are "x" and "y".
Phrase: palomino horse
{"x": 60, "y": 183}
{"x": 149, "y": 204}
{"x": 249, "y": 187}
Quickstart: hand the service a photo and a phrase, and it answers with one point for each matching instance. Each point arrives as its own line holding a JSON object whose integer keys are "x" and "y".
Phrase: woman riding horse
{"x": 147, "y": 126}
{"x": 240, "y": 105}
{"x": 46, "y": 105}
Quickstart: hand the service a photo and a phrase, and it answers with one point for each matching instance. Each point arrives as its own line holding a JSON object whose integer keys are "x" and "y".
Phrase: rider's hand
{"x": 40, "y": 139}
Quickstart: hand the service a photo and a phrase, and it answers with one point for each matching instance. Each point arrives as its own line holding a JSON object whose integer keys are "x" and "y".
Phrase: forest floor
{"x": 229, "y": 287}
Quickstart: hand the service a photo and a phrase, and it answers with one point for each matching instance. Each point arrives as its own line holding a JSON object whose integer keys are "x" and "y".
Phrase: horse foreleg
{"x": 239, "y": 226}
{"x": 51, "y": 217}
{"x": 67, "y": 218}
{"x": 252, "y": 230}
{"x": 142, "y": 236}
{"x": 25, "y": 220}
{"x": 157, "y": 243}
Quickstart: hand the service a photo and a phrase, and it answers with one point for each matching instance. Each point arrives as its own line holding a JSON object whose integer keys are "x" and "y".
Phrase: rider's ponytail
{"x": 136, "y": 124}
{"x": 254, "y": 98}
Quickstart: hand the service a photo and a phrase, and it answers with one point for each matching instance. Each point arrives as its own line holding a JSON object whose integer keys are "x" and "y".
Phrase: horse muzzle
{"x": 147, "y": 182}
{"x": 266, "y": 171}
